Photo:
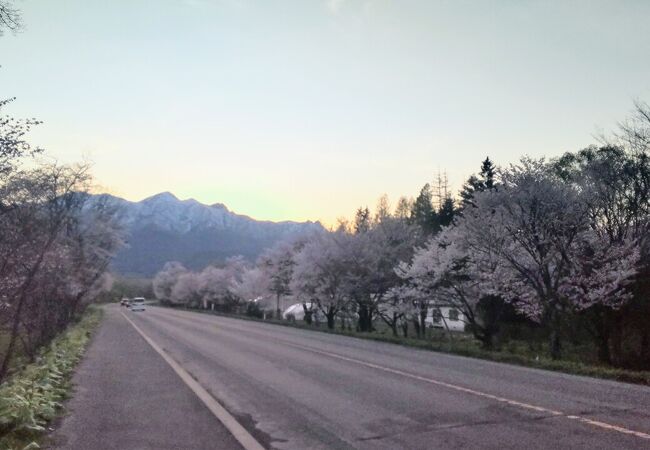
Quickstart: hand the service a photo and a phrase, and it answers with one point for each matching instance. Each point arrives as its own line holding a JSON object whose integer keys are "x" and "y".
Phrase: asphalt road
{"x": 297, "y": 389}
{"x": 127, "y": 397}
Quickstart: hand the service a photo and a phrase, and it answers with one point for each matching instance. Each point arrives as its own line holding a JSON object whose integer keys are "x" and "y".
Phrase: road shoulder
{"x": 127, "y": 397}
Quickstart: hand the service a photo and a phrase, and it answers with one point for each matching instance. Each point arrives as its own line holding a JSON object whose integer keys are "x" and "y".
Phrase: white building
{"x": 446, "y": 317}
{"x": 296, "y": 312}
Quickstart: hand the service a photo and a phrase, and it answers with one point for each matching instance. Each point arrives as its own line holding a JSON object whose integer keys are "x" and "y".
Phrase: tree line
{"x": 557, "y": 247}
{"x": 55, "y": 247}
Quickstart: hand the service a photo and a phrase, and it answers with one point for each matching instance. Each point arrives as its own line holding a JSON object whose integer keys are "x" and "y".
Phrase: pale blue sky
{"x": 308, "y": 109}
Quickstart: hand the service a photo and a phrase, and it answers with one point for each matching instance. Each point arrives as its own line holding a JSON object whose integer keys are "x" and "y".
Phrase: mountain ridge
{"x": 163, "y": 228}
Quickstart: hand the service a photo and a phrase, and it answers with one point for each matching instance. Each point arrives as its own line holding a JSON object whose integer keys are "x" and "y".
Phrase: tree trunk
{"x": 554, "y": 325}
{"x": 616, "y": 356}
{"x": 416, "y": 325}
{"x": 555, "y": 344}
{"x": 278, "y": 313}
{"x": 449, "y": 335}
{"x": 370, "y": 314}
{"x": 331, "y": 315}
{"x": 603, "y": 335}
{"x": 423, "y": 324}
{"x": 405, "y": 329}
{"x": 645, "y": 349}
{"x": 604, "y": 355}
{"x": 21, "y": 301}
{"x": 364, "y": 323}
{"x": 393, "y": 325}
{"x": 486, "y": 338}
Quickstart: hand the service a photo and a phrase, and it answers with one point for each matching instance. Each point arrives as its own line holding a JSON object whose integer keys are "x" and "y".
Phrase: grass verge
{"x": 32, "y": 397}
{"x": 464, "y": 345}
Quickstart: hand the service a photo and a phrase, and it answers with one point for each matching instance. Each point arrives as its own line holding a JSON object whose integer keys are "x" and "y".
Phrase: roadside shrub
{"x": 254, "y": 310}
{"x": 32, "y": 397}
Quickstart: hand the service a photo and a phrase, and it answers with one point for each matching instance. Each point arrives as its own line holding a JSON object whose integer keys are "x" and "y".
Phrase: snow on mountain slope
{"x": 163, "y": 228}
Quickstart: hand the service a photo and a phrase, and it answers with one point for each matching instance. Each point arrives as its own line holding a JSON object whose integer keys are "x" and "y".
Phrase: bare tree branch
{"x": 10, "y": 17}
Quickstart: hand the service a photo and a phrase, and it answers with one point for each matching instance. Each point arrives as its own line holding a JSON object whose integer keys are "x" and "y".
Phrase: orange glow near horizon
{"x": 309, "y": 110}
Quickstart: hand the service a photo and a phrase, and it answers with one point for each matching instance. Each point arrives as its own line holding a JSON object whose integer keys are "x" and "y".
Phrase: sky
{"x": 308, "y": 109}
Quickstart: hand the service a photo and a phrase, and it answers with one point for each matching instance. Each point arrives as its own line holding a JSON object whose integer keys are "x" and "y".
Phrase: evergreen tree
{"x": 485, "y": 180}
{"x": 447, "y": 212}
{"x": 472, "y": 185}
{"x": 422, "y": 211}
{"x": 487, "y": 173}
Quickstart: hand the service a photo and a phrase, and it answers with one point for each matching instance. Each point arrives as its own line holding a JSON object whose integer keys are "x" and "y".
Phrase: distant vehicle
{"x": 124, "y": 302}
{"x": 137, "y": 304}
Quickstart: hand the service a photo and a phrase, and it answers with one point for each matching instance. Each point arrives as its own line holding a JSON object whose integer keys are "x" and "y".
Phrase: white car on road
{"x": 137, "y": 304}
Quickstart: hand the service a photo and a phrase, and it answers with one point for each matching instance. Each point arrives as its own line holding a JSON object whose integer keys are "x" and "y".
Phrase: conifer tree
{"x": 422, "y": 212}
{"x": 485, "y": 180}
{"x": 447, "y": 211}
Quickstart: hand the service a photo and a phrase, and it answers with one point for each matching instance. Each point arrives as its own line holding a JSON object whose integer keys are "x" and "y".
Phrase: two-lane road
{"x": 299, "y": 389}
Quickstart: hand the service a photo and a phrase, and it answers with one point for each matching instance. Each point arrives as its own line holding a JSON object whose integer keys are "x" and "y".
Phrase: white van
{"x": 137, "y": 304}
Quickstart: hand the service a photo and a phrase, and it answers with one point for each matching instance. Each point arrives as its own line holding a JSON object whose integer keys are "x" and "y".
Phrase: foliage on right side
{"x": 551, "y": 256}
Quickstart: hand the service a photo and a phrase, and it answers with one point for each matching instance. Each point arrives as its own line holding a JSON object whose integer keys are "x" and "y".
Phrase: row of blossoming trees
{"x": 55, "y": 246}
{"x": 563, "y": 244}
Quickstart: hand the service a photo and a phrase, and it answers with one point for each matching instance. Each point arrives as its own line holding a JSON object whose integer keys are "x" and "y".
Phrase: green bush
{"x": 32, "y": 397}
{"x": 253, "y": 310}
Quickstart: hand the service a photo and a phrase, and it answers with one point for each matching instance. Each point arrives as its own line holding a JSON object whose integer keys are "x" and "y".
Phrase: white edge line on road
{"x": 236, "y": 429}
{"x": 555, "y": 413}
{"x": 552, "y": 412}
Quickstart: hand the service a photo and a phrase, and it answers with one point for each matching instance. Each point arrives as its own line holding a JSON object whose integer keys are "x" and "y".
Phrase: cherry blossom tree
{"x": 53, "y": 257}
{"x": 278, "y": 264}
{"x": 218, "y": 286}
{"x": 528, "y": 242}
{"x": 253, "y": 284}
{"x": 377, "y": 252}
{"x": 402, "y": 304}
{"x": 443, "y": 272}
{"x": 616, "y": 182}
{"x": 164, "y": 281}
{"x": 320, "y": 274}
{"x": 93, "y": 242}
{"x": 186, "y": 290}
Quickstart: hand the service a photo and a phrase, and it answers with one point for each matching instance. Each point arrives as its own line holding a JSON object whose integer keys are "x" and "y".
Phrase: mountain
{"x": 163, "y": 228}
